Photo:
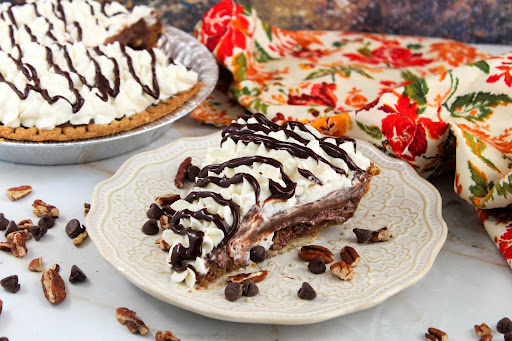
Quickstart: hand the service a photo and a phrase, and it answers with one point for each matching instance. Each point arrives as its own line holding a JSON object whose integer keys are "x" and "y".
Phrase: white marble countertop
{"x": 469, "y": 283}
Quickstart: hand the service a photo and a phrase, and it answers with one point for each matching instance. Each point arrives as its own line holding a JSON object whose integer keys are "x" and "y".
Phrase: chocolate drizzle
{"x": 101, "y": 82}
{"x": 248, "y": 133}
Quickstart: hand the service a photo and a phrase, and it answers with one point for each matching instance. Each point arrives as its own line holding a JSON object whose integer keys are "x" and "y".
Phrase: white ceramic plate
{"x": 399, "y": 199}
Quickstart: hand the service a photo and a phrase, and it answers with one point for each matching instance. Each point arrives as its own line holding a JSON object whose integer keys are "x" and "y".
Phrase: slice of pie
{"x": 74, "y": 69}
{"x": 266, "y": 186}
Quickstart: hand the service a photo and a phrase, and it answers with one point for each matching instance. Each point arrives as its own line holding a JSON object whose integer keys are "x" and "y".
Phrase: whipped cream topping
{"x": 55, "y": 69}
{"x": 311, "y": 179}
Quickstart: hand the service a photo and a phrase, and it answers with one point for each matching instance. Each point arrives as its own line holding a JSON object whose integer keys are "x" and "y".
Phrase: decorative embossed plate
{"x": 399, "y": 199}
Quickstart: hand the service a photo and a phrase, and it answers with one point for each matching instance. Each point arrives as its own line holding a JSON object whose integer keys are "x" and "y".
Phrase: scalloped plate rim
{"x": 269, "y": 317}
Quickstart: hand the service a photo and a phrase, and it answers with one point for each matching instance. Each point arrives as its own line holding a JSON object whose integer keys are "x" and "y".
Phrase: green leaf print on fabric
{"x": 268, "y": 30}
{"x": 477, "y": 106}
{"x": 481, "y": 185}
{"x": 260, "y": 54}
{"x": 373, "y": 131}
{"x": 343, "y": 71}
{"x": 240, "y": 67}
{"x": 477, "y": 146}
{"x": 482, "y": 65}
{"x": 417, "y": 91}
{"x": 414, "y": 46}
{"x": 409, "y": 76}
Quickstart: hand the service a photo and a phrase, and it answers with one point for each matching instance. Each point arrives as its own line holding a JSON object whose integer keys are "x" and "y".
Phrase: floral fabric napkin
{"x": 435, "y": 103}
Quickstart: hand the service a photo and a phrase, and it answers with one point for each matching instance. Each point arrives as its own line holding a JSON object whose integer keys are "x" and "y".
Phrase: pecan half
{"x": 438, "y": 335}
{"x": 256, "y": 277}
{"x": 342, "y": 270}
{"x": 25, "y": 224}
{"x": 181, "y": 174}
{"x": 310, "y": 252}
{"x": 53, "y": 286}
{"x": 166, "y": 336}
{"x": 36, "y": 265}
{"x": 18, "y": 248}
{"x": 349, "y": 255}
{"x": 127, "y": 317}
{"x": 15, "y": 193}
{"x": 41, "y": 208}
{"x": 482, "y": 329}
{"x": 78, "y": 240}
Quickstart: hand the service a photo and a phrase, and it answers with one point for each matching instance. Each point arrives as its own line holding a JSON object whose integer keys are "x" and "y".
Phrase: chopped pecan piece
{"x": 87, "y": 207}
{"x": 256, "y": 277}
{"x": 486, "y": 337}
{"x": 310, "y": 252}
{"x": 439, "y": 335}
{"x": 56, "y": 267}
{"x": 6, "y": 246}
{"x": 18, "y": 248}
{"x": 342, "y": 270}
{"x": 349, "y": 255}
{"x": 36, "y": 265}
{"x": 482, "y": 329}
{"x": 23, "y": 234}
{"x": 25, "y": 224}
{"x": 165, "y": 222}
{"x": 19, "y": 192}
{"x": 53, "y": 286}
{"x": 41, "y": 208}
{"x": 381, "y": 235}
{"x": 163, "y": 245}
{"x": 167, "y": 199}
{"x": 127, "y": 317}
{"x": 181, "y": 174}
{"x": 78, "y": 240}
{"x": 166, "y": 336}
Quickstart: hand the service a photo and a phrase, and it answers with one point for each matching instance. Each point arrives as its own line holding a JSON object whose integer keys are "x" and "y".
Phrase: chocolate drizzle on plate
{"x": 211, "y": 174}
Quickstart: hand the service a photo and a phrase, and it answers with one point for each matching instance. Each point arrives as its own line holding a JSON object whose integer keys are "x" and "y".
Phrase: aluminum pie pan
{"x": 176, "y": 44}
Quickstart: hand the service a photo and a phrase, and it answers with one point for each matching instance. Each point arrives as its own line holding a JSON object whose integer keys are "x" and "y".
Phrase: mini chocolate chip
{"x": 73, "y": 228}
{"x": 10, "y": 284}
{"x": 38, "y": 231}
{"x": 249, "y": 288}
{"x": 11, "y": 227}
{"x": 504, "y": 325}
{"x": 192, "y": 173}
{"x": 154, "y": 212}
{"x": 3, "y": 222}
{"x": 233, "y": 291}
{"x": 306, "y": 292}
{"x": 46, "y": 221}
{"x": 508, "y": 337}
{"x": 363, "y": 235}
{"x": 76, "y": 275}
{"x": 150, "y": 227}
{"x": 317, "y": 266}
{"x": 257, "y": 254}
{"x": 168, "y": 210}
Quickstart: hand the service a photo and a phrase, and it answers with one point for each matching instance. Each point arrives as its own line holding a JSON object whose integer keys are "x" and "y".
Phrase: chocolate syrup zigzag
{"x": 250, "y": 135}
{"x": 53, "y": 28}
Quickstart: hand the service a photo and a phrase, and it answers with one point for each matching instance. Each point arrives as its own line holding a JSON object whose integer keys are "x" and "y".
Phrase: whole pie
{"x": 266, "y": 186}
{"x": 75, "y": 69}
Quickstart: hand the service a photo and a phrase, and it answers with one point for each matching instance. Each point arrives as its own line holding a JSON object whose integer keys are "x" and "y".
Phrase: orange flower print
{"x": 355, "y": 99}
{"x": 455, "y": 53}
{"x": 333, "y": 125}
